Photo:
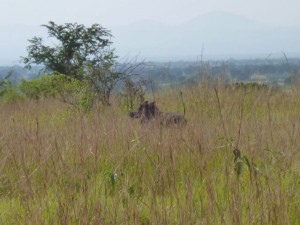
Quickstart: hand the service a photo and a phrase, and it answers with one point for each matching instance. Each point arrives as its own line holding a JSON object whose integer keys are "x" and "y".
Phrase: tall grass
{"x": 59, "y": 166}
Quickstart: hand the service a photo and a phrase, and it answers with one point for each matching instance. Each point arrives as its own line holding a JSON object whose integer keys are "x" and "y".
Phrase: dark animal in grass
{"x": 150, "y": 112}
{"x": 166, "y": 118}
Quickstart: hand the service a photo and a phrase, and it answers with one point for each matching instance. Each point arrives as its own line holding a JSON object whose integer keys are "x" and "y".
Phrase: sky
{"x": 20, "y": 20}
{"x": 110, "y": 13}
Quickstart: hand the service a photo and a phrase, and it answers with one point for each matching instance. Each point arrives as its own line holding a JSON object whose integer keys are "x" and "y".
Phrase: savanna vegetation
{"x": 235, "y": 162}
{"x": 69, "y": 157}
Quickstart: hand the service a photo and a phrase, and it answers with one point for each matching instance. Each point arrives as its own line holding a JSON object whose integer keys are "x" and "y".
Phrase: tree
{"x": 76, "y": 47}
{"x": 134, "y": 92}
{"x": 81, "y": 53}
{"x": 103, "y": 79}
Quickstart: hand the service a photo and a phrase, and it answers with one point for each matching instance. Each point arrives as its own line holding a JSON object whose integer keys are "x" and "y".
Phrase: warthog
{"x": 150, "y": 112}
{"x": 138, "y": 114}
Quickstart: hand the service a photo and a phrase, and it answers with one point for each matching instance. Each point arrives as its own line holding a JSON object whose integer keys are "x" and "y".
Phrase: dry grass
{"x": 59, "y": 166}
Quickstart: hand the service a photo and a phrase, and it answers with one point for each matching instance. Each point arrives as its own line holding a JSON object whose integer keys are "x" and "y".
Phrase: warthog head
{"x": 143, "y": 110}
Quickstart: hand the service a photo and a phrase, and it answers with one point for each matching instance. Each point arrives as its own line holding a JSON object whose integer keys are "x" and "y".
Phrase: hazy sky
{"x": 120, "y": 12}
{"x": 14, "y": 14}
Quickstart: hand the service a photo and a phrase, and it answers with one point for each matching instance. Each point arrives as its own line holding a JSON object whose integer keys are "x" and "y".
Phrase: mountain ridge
{"x": 220, "y": 33}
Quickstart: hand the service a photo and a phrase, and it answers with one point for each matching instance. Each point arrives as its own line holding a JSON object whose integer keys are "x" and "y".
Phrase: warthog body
{"x": 149, "y": 112}
{"x": 171, "y": 118}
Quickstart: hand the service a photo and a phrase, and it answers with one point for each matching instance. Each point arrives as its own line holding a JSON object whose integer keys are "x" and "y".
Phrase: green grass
{"x": 60, "y": 166}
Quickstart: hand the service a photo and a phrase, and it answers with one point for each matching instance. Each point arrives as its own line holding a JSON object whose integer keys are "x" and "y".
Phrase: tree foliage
{"x": 75, "y": 46}
{"x": 49, "y": 86}
{"x": 82, "y": 53}
{"x": 133, "y": 93}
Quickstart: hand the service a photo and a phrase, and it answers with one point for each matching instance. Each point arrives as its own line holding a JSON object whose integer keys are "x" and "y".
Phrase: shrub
{"x": 8, "y": 92}
{"x": 59, "y": 86}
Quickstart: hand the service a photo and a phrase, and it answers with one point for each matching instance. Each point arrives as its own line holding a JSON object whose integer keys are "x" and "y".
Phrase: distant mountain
{"x": 222, "y": 21}
{"x": 222, "y": 35}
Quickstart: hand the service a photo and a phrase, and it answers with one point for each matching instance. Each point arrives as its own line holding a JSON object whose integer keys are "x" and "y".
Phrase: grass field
{"x": 60, "y": 166}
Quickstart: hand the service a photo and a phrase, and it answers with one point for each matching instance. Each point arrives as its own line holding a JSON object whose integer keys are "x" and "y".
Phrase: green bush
{"x": 59, "y": 86}
{"x": 11, "y": 95}
{"x": 48, "y": 86}
{"x": 9, "y": 92}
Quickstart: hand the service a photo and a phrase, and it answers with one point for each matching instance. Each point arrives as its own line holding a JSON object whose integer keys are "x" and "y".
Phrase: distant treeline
{"x": 232, "y": 70}
{"x": 16, "y": 73}
{"x": 186, "y": 71}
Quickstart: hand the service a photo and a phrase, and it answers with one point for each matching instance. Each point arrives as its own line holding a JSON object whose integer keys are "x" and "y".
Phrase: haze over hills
{"x": 222, "y": 35}
{"x": 14, "y": 40}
